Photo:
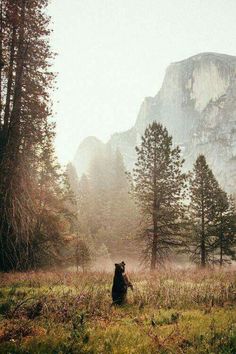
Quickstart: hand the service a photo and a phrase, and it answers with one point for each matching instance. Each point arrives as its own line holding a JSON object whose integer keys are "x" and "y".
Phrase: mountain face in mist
{"x": 197, "y": 104}
{"x": 87, "y": 150}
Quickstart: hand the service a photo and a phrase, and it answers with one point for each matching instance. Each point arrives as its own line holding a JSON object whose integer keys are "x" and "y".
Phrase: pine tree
{"x": 123, "y": 211}
{"x": 119, "y": 178}
{"x": 72, "y": 178}
{"x": 158, "y": 190}
{"x": 204, "y": 188}
{"x": 87, "y": 217}
{"x": 27, "y": 160}
{"x": 106, "y": 212}
{"x": 224, "y": 228}
{"x": 82, "y": 255}
{"x": 99, "y": 176}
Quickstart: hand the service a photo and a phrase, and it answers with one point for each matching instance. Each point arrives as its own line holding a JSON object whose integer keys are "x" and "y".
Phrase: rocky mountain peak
{"x": 197, "y": 104}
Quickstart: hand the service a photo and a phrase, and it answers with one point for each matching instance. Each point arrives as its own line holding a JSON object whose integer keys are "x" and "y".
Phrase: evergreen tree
{"x": 123, "y": 211}
{"x": 87, "y": 216}
{"x": 82, "y": 255}
{"x": 50, "y": 213}
{"x": 31, "y": 191}
{"x": 225, "y": 228}
{"x": 99, "y": 176}
{"x": 119, "y": 178}
{"x": 72, "y": 178}
{"x": 158, "y": 190}
{"x": 204, "y": 188}
{"x": 106, "y": 212}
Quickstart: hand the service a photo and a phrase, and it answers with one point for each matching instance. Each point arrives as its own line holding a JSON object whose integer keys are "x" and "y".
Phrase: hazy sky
{"x": 113, "y": 53}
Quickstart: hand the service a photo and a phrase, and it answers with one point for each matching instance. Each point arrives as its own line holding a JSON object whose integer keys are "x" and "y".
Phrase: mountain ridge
{"x": 196, "y": 103}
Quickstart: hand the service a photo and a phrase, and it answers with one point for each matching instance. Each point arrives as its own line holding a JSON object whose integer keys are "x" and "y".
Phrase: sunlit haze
{"x": 113, "y": 53}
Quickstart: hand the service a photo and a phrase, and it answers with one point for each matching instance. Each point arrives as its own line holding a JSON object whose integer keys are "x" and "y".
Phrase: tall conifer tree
{"x": 204, "y": 188}
{"x": 158, "y": 190}
{"x": 224, "y": 229}
{"x": 28, "y": 166}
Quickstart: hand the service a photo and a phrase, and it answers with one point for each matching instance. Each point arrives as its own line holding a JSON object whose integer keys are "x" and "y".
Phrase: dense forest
{"x": 50, "y": 217}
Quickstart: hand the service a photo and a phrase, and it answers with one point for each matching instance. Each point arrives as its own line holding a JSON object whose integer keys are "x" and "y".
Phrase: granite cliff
{"x": 197, "y": 104}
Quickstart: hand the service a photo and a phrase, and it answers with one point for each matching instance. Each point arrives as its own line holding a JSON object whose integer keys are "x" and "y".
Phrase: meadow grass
{"x": 169, "y": 311}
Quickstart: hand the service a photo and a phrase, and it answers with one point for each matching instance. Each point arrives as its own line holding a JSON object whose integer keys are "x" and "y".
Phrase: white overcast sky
{"x": 113, "y": 53}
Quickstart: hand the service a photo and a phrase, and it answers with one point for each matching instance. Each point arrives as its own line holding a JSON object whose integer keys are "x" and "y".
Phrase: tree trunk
{"x": 10, "y": 80}
{"x": 21, "y": 55}
{"x": 221, "y": 242}
{"x": 11, "y": 256}
{"x": 1, "y": 63}
{"x": 203, "y": 244}
{"x": 154, "y": 215}
{"x": 203, "y": 253}
{"x": 154, "y": 245}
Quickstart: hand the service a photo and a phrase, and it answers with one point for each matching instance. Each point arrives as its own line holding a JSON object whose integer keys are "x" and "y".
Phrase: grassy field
{"x": 182, "y": 311}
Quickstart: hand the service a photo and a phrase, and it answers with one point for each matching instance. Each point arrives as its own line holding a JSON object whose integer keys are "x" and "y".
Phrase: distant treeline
{"x": 157, "y": 210}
